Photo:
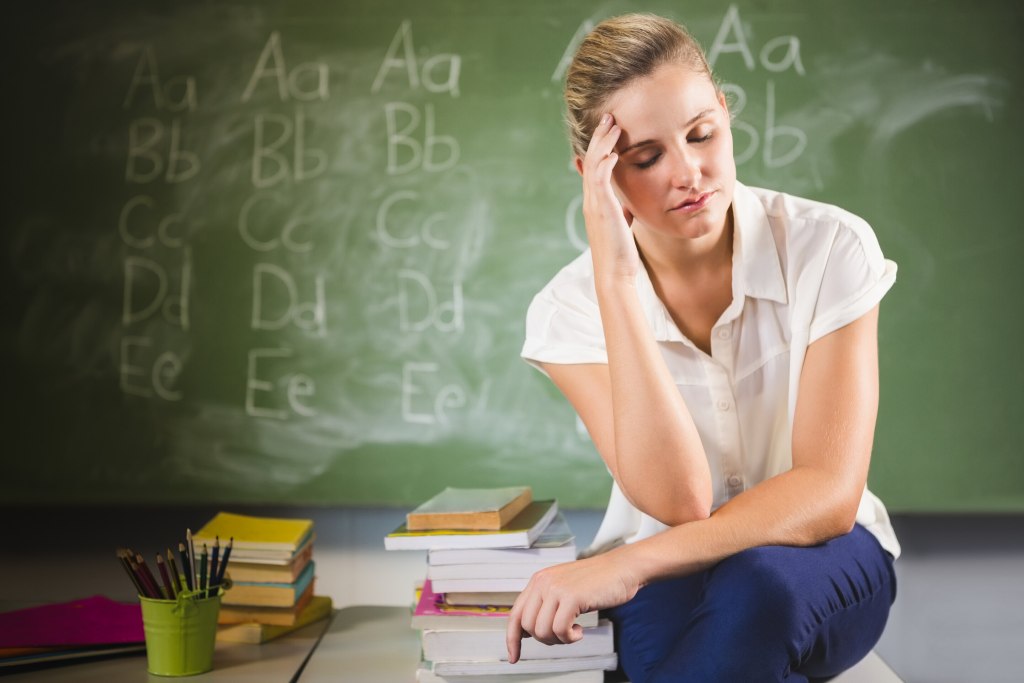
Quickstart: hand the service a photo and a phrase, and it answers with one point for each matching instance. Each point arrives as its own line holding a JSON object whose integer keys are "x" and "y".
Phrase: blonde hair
{"x": 618, "y": 51}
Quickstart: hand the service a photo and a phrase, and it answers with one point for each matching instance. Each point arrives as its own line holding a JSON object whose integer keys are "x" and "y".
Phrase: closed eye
{"x": 647, "y": 163}
{"x": 650, "y": 161}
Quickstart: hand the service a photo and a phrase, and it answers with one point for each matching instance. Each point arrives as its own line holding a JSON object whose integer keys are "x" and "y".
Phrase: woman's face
{"x": 676, "y": 170}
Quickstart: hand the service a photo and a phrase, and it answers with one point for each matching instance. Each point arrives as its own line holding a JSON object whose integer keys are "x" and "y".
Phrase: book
{"x": 556, "y": 543}
{"x": 278, "y": 616}
{"x": 490, "y": 570}
{"x": 425, "y": 675}
{"x": 482, "y": 584}
{"x": 262, "y": 572}
{"x": 606, "y": 662}
{"x": 270, "y": 556}
{"x": 470, "y": 509}
{"x": 503, "y": 599}
{"x": 447, "y": 646}
{"x": 269, "y": 594}
{"x": 255, "y": 533}
{"x": 432, "y": 612}
{"x": 319, "y": 607}
{"x": 520, "y": 532}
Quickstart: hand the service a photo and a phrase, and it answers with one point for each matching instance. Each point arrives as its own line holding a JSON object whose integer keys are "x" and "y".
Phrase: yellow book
{"x": 255, "y": 572}
{"x": 255, "y": 533}
{"x": 269, "y": 594}
{"x": 319, "y": 607}
{"x": 279, "y": 616}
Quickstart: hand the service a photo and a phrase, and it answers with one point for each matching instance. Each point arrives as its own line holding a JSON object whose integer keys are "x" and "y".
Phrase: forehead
{"x": 669, "y": 95}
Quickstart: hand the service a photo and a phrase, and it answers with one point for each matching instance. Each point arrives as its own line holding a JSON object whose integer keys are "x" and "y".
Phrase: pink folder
{"x": 90, "y": 621}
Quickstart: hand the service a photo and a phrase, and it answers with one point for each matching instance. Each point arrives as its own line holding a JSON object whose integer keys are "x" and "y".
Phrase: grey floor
{"x": 958, "y": 618}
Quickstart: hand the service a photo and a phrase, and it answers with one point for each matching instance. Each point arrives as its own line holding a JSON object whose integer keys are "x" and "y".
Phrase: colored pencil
{"x": 192, "y": 559}
{"x": 224, "y": 561}
{"x": 213, "y": 565}
{"x": 172, "y": 567}
{"x": 126, "y": 565}
{"x": 202, "y": 573}
{"x": 147, "y": 576}
{"x": 185, "y": 564}
{"x": 165, "y": 577}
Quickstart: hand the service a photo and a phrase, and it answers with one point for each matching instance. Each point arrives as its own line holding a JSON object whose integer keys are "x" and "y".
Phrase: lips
{"x": 694, "y": 203}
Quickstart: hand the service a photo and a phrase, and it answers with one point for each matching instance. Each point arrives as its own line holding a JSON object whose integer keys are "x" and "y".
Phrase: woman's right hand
{"x": 608, "y": 223}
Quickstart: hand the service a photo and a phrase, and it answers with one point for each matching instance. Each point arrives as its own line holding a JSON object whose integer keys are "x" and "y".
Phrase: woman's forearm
{"x": 801, "y": 507}
{"x": 659, "y": 459}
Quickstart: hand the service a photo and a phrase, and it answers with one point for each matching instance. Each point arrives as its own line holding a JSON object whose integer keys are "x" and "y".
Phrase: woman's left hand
{"x": 548, "y": 607}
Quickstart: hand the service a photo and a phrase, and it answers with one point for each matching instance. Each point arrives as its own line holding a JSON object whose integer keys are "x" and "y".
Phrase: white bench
{"x": 376, "y": 644}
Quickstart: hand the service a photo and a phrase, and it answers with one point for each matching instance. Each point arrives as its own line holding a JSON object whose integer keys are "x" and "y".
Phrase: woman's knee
{"x": 758, "y": 590}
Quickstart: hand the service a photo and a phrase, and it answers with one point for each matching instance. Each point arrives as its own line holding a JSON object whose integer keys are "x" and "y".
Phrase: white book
{"x": 447, "y": 646}
{"x": 606, "y": 662}
{"x": 488, "y": 570}
{"x": 481, "y": 585}
{"x": 504, "y": 599}
{"x": 431, "y": 612}
{"x": 425, "y": 675}
{"x": 555, "y": 544}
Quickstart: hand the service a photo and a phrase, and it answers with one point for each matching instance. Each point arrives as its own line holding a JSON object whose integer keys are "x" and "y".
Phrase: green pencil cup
{"x": 180, "y": 634}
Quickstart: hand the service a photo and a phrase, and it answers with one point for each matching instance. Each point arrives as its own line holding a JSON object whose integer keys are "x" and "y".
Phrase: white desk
{"x": 275, "y": 662}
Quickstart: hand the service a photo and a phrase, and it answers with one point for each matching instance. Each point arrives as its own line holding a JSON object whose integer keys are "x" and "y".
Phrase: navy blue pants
{"x": 773, "y": 613}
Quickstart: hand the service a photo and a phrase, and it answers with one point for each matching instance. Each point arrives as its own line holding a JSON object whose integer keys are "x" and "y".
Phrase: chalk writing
{"x": 310, "y": 316}
{"x": 178, "y": 93}
{"x": 289, "y": 84}
{"x": 269, "y": 165}
{"x": 416, "y": 75}
{"x": 297, "y": 387}
{"x": 158, "y": 380}
{"x": 146, "y": 157}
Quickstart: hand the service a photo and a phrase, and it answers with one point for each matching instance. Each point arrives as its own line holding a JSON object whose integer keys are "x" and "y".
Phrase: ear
{"x": 579, "y": 166}
{"x": 724, "y": 103}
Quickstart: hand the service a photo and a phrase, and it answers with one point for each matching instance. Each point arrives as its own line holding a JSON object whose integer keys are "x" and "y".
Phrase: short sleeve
{"x": 855, "y": 278}
{"x": 563, "y": 324}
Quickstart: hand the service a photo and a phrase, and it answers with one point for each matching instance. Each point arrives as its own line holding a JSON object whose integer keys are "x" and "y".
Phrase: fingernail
{"x": 606, "y": 118}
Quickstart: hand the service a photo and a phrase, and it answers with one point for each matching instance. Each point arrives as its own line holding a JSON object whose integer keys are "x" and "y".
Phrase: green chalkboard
{"x": 282, "y": 251}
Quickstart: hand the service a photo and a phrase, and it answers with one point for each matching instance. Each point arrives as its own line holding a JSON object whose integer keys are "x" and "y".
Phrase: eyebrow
{"x": 692, "y": 121}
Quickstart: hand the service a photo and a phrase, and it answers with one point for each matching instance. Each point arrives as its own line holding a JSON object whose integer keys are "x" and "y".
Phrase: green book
{"x": 520, "y": 532}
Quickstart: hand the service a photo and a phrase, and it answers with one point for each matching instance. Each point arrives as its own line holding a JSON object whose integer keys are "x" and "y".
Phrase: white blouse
{"x": 801, "y": 269}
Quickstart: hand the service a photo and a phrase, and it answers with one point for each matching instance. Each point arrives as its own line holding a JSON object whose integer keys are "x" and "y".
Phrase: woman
{"x": 720, "y": 344}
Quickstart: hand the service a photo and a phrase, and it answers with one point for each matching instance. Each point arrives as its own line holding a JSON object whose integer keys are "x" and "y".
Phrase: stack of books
{"x": 271, "y": 576}
{"x": 483, "y": 545}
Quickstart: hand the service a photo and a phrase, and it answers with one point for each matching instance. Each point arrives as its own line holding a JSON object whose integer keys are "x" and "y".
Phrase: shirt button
{"x": 723, "y": 405}
{"x": 735, "y": 481}
{"x": 724, "y": 333}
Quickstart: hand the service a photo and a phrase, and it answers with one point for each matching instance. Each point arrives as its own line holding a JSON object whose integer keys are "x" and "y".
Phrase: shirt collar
{"x": 755, "y": 245}
{"x": 757, "y": 269}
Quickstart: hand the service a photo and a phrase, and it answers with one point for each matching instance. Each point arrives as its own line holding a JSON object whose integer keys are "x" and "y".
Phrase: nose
{"x": 686, "y": 165}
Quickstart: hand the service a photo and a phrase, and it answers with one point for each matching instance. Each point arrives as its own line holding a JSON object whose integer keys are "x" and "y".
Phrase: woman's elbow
{"x": 694, "y": 512}
{"x": 672, "y": 508}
